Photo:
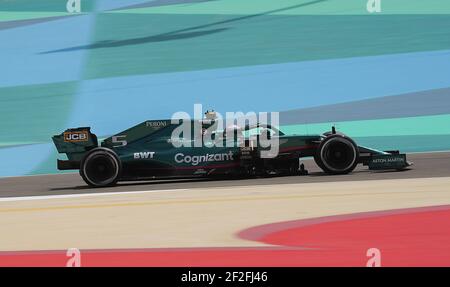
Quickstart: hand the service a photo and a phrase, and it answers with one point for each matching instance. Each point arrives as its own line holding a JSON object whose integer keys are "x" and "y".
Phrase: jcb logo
{"x": 81, "y": 136}
{"x": 144, "y": 155}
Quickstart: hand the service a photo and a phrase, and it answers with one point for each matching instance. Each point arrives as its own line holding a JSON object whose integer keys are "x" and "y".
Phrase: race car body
{"x": 149, "y": 150}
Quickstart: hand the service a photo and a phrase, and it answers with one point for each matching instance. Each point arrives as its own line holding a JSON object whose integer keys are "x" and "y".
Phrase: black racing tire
{"x": 100, "y": 167}
{"x": 337, "y": 154}
{"x": 293, "y": 167}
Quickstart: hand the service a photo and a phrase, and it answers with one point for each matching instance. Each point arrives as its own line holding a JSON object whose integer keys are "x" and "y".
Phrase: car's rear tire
{"x": 100, "y": 167}
{"x": 337, "y": 154}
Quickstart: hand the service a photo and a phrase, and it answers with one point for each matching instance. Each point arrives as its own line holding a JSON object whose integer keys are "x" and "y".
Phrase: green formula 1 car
{"x": 149, "y": 150}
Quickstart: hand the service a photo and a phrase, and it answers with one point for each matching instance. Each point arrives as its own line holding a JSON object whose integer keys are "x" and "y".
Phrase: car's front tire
{"x": 100, "y": 167}
{"x": 337, "y": 154}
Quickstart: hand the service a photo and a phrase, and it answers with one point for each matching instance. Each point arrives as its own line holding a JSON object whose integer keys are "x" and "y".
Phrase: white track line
{"x": 62, "y": 196}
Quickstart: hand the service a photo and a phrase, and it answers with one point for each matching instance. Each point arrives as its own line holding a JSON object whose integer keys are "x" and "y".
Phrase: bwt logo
{"x": 73, "y": 6}
{"x": 144, "y": 155}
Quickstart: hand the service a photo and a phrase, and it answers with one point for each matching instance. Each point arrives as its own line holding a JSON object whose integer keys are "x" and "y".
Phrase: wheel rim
{"x": 338, "y": 155}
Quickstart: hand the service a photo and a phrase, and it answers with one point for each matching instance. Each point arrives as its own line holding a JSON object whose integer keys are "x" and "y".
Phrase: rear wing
{"x": 74, "y": 143}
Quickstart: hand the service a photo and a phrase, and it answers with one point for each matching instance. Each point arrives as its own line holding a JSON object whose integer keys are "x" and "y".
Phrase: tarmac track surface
{"x": 426, "y": 165}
